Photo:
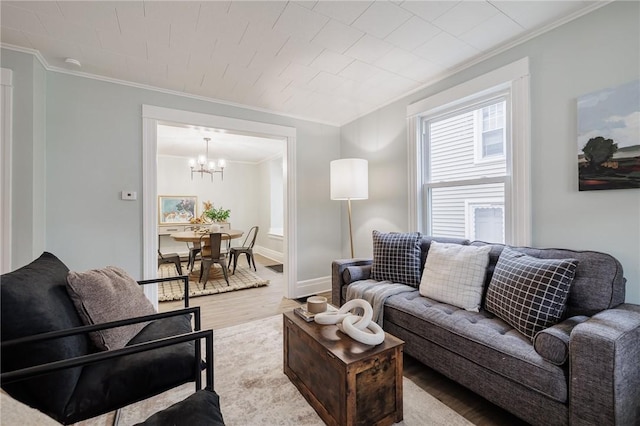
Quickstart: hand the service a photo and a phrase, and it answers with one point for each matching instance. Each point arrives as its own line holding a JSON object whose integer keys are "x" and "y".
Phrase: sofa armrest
{"x": 337, "y": 278}
{"x": 604, "y": 375}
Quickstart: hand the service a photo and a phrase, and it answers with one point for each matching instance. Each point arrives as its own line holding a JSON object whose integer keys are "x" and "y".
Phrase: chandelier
{"x": 205, "y": 166}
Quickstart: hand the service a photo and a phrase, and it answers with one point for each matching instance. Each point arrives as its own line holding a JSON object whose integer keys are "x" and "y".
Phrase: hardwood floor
{"x": 237, "y": 307}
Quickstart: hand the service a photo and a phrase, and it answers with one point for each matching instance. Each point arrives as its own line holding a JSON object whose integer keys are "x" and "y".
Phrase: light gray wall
{"x": 94, "y": 150}
{"x": 598, "y": 50}
{"x": 28, "y": 172}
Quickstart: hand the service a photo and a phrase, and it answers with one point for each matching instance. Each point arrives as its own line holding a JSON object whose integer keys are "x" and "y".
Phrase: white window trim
{"x": 514, "y": 77}
{"x": 471, "y": 204}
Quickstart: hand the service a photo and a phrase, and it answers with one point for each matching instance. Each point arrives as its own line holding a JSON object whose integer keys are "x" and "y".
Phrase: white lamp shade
{"x": 349, "y": 179}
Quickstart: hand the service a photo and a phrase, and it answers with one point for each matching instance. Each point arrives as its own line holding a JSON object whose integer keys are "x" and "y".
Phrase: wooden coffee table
{"x": 346, "y": 382}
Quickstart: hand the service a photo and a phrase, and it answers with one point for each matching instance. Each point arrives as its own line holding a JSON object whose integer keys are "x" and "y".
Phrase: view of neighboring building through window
{"x": 466, "y": 170}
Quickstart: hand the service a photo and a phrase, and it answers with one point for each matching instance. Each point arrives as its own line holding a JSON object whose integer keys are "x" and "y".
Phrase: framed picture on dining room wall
{"x": 176, "y": 208}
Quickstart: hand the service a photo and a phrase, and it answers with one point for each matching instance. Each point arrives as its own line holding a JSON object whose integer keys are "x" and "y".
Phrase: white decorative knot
{"x": 359, "y": 328}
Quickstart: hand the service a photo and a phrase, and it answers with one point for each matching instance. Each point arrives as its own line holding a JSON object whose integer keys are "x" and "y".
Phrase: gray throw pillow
{"x": 529, "y": 293}
{"x": 396, "y": 257}
{"x": 109, "y": 294}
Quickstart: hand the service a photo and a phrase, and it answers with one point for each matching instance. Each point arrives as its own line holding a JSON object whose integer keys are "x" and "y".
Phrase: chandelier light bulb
{"x": 202, "y": 160}
{"x": 192, "y": 162}
{"x": 222, "y": 163}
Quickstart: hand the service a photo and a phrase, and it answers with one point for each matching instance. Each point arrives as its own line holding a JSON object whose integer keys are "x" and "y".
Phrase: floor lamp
{"x": 350, "y": 181}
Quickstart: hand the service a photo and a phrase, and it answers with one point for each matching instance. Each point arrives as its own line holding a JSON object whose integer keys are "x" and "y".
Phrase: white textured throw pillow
{"x": 454, "y": 274}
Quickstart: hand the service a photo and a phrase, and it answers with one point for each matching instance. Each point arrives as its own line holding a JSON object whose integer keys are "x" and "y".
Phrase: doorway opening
{"x": 153, "y": 117}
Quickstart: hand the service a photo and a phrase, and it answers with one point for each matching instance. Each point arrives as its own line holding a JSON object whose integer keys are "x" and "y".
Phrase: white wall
{"x": 270, "y": 195}
{"x": 238, "y": 192}
{"x": 598, "y": 50}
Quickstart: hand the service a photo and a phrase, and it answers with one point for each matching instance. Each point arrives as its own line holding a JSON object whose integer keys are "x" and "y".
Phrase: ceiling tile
{"x": 213, "y": 14}
{"x": 337, "y": 36}
{"x": 306, "y": 3}
{"x": 428, "y": 10}
{"x": 300, "y": 74}
{"x": 132, "y": 25}
{"x": 396, "y": 60}
{"x": 101, "y": 16}
{"x": 423, "y": 71}
{"x": 492, "y": 32}
{"x": 325, "y": 82}
{"x": 70, "y": 32}
{"x": 331, "y": 62}
{"x": 263, "y": 40}
{"x": 299, "y": 51}
{"x": 14, "y": 37}
{"x": 446, "y": 50}
{"x": 130, "y": 46}
{"x": 21, "y": 19}
{"x": 343, "y": 11}
{"x": 464, "y": 16}
{"x": 263, "y": 12}
{"x": 381, "y": 18}
{"x": 413, "y": 33}
{"x": 102, "y": 62}
{"x": 359, "y": 71}
{"x": 232, "y": 54}
{"x": 45, "y": 8}
{"x": 300, "y": 22}
{"x": 160, "y": 54}
{"x": 270, "y": 65}
{"x": 179, "y": 12}
{"x": 369, "y": 49}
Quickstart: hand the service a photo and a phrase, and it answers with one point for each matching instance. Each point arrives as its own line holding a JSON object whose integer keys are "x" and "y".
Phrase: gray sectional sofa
{"x": 584, "y": 370}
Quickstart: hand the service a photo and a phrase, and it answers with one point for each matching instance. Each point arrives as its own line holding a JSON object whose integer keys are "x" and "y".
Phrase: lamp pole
{"x": 350, "y": 227}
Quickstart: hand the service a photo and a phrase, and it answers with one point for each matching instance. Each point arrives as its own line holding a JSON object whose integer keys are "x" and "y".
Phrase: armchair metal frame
{"x": 197, "y": 335}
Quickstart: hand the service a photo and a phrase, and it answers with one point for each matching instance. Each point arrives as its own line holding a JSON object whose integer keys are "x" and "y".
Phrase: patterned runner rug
{"x": 174, "y": 290}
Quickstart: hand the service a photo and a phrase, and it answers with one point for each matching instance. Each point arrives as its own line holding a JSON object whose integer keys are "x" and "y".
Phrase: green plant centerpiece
{"x": 215, "y": 214}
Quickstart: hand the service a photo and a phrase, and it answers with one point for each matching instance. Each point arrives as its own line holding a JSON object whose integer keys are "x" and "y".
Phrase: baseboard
{"x": 313, "y": 286}
{"x": 270, "y": 254}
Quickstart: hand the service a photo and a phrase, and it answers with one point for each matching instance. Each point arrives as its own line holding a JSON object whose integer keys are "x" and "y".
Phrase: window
{"x": 491, "y": 134}
{"x": 453, "y": 177}
{"x": 469, "y": 148}
{"x": 485, "y": 220}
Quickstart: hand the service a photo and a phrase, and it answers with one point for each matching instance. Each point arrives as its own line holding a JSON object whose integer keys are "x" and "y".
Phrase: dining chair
{"x": 194, "y": 250}
{"x": 170, "y": 258}
{"x": 246, "y": 248}
{"x": 213, "y": 253}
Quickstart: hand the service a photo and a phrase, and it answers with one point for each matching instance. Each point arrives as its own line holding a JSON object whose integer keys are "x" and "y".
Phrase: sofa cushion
{"x": 480, "y": 337}
{"x": 455, "y": 274}
{"x": 199, "y": 409}
{"x": 396, "y": 257}
{"x": 129, "y": 378}
{"x": 34, "y": 300}
{"x": 529, "y": 293}
{"x": 108, "y": 294}
{"x": 553, "y": 343}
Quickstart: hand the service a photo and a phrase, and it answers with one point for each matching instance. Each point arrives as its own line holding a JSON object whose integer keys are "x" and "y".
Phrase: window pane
{"x": 449, "y": 206}
{"x": 452, "y": 145}
{"x": 488, "y": 224}
{"x": 492, "y": 143}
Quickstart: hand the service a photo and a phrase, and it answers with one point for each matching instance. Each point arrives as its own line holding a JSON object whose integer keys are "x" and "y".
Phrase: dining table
{"x": 195, "y": 236}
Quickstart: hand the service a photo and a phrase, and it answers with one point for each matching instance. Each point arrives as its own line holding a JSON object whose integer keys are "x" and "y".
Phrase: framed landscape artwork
{"x": 176, "y": 208}
{"x": 609, "y": 138}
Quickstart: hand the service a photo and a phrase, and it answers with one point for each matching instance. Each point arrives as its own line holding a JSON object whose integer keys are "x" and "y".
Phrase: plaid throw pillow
{"x": 529, "y": 293}
{"x": 396, "y": 258}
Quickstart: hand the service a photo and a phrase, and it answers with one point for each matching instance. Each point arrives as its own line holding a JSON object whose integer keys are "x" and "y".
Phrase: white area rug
{"x": 174, "y": 290}
{"x": 254, "y": 390}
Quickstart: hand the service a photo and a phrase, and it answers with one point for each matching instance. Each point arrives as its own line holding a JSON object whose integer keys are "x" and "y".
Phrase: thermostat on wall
{"x": 128, "y": 195}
